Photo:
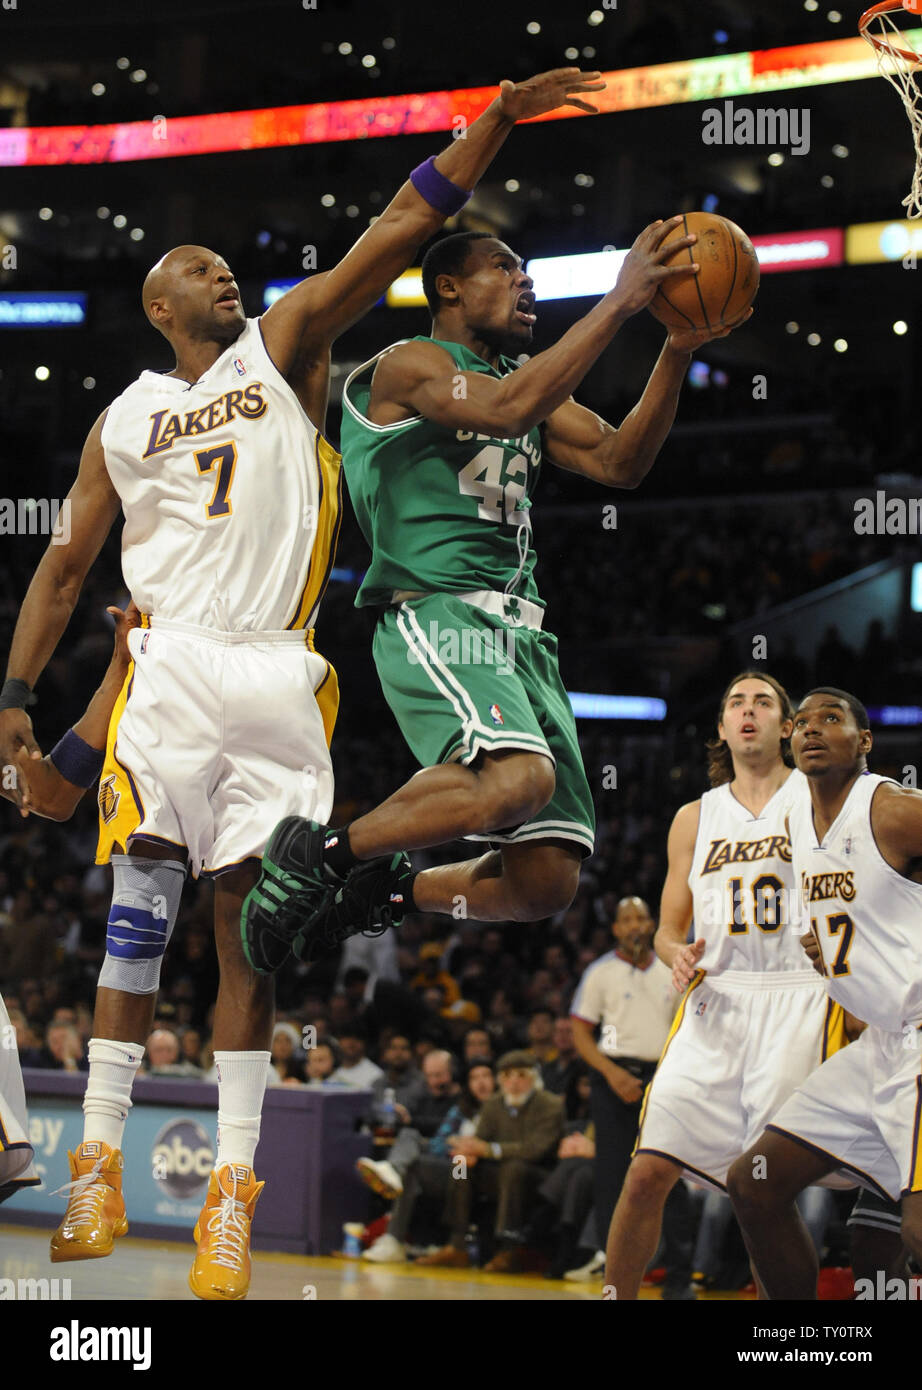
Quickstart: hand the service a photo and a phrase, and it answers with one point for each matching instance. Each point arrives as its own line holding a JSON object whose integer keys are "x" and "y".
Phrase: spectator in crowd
{"x": 402, "y": 1076}
{"x": 63, "y": 1050}
{"x": 30, "y": 1054}
{"x": 286, "y": 1054}
{"x": 355, "y": 987}
{"x": 563, "y": 1068}
{"x": 385, "y": 1176}
{"x": 508, "y": 1157}
{"x": 191, "y": 1043}
{"x": 356, "y": 1069}
{"x": 376, "y": 955}
{"x": 430, "y": 975}
{"x": 28, "y": 942}
{"x": 477, "y": 1043}
{"x": 163, "y": 1056}
{"x": 322, "y": 1061}
{"x": 430, "y": 1172}
{"x": 564, "y": 1200}
{"x": 628, "y": 995}
{"x": 540, "y": 1035}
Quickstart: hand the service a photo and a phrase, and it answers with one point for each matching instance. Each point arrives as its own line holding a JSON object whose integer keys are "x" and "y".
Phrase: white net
{"x": 898, "y": 60}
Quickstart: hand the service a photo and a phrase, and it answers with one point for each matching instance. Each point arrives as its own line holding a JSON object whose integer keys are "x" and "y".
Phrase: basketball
{"x": 727, "y": 281}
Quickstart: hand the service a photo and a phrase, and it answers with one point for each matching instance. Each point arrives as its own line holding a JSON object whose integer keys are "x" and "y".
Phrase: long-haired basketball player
{"x": 755, "y": 1019}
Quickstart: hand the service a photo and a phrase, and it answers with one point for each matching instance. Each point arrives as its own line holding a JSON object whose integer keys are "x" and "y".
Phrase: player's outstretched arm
{"x": 304, "y": 322}
{"x": 675, "y": 915}
{"x": 86, "y": 517}
{"x": 582, "y": 442}
{"x": 421, "y": 379}
{"x": 49, "y": 792}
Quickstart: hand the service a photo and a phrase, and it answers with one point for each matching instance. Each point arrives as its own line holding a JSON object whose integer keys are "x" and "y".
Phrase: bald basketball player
{"x": 231, "y": 504}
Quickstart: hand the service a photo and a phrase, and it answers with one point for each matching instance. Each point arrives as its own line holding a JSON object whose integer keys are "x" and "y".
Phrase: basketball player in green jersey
{"x": 442, "y": 443}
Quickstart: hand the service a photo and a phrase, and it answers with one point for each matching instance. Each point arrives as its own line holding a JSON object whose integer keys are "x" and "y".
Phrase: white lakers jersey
{"x": 231, "y": 497}
{"x": 866, "y": 917}
{"x": 742, "y": 880}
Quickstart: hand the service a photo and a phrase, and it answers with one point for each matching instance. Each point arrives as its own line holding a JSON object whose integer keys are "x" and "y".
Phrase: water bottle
{"x": 472, "y": 1246}
{"x": 385, "y": 1127}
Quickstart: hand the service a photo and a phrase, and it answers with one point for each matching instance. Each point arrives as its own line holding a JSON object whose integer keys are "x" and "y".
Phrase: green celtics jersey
{"x": 442, "y": 510}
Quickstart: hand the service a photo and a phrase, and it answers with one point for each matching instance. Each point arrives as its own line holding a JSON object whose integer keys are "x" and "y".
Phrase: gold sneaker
{"x": 95, "y": 1213}
{"x": 221, "y": 1269}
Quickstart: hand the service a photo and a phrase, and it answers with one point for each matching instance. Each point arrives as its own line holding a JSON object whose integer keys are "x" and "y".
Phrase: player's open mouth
{"x": 814, "y": 748}
{"x": 524, "y": 308}
{"x": 228, "y": 297}
{"x": 748, "y": 729}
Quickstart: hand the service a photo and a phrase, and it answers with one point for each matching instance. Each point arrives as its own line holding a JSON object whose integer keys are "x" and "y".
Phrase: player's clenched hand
{"x": 643, "y": 271}
{"x": 547, "y": 91}
{"x": 685, "y": 965}
{"x": 124, "y": 622}
{"x": 17, "y": 749}
{"x": 689, "y": 339}
{"x": 812, "y": 948}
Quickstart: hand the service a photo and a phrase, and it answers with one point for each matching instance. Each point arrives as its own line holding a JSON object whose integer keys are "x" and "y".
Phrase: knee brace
{"x": 145, "y": 903}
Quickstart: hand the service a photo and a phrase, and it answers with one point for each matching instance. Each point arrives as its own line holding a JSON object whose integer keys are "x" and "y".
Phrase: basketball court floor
{"x": 144, "y": 1270}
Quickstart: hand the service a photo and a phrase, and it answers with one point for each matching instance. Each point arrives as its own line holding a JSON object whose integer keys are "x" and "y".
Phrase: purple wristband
{"x": 76, "y": 760}
{"x": 439, "y": 192}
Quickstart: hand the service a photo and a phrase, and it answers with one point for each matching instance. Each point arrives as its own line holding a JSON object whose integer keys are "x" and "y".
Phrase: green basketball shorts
{"x": 462, "y": 681}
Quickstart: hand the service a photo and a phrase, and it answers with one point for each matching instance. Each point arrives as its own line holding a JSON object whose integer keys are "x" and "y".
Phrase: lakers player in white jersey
{"x": 231, "y": 504}
{"x": 755, "y": 1018}
{"x": 856, "y": 841}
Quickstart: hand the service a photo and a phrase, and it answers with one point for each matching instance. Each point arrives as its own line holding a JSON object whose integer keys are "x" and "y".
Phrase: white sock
{"x": 108, "y": 1089}
{"x": 242, "y": 1078}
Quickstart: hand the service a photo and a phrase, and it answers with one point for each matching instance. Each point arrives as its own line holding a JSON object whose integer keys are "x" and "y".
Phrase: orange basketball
{"x": 726, "y": 284}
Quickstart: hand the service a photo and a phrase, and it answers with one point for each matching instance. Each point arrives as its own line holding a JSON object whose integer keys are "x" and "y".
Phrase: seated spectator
{"x": 191, "y": 1045}
{"x": 322, "y": 1061}
{"x": 458, "y": 1018}
{"x": 540, "y": 1035}
{"x": 477, "y": 1043}
{"x": 558, "y": 1072}
{"x": 385, "y": 1176}
{"x": 286, "y": 1054}
{"x": 28, "y": 942}
{"x": 355, "y": 987}
{"x": 356, "y": 1069}
{"x": 430, "y": 975}
{"x": 564, "y": 1201}
{"x": 508, "y": 1158}
{"x": 30, "y": 1054}
{"x": 63, "y": 1050}
{"x": 429, "y": 1173}
{"x": 163, "y": 1056}
{"x": 402, "y": 1076}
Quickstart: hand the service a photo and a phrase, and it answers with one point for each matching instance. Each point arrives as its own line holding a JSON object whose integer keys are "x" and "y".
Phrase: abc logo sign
{"x": 182, "y": 1158}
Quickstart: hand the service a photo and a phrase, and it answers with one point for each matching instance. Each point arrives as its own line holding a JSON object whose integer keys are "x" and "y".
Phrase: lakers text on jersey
{"x": 756, "y": 1019}
{"x": 863, "y": 1106}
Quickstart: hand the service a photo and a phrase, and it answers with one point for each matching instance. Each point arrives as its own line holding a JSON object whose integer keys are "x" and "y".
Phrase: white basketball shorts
{"x": 215, "y": 738}
{"x": 739, "y": 1045}
{"x": 864, "y": 1108}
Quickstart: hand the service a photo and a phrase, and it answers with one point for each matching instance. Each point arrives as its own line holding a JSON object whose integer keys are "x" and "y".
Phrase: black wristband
{"x": 15, "y": 694}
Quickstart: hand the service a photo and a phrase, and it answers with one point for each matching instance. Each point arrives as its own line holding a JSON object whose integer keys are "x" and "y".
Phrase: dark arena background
{"x": 778, "y": 529}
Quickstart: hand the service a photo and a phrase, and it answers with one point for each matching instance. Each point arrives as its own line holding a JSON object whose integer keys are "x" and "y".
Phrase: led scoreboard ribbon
{"x": 629, "y": 89}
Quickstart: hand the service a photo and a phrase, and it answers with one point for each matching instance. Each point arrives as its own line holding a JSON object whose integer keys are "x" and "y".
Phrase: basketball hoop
{"x": 902, "y": 67}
